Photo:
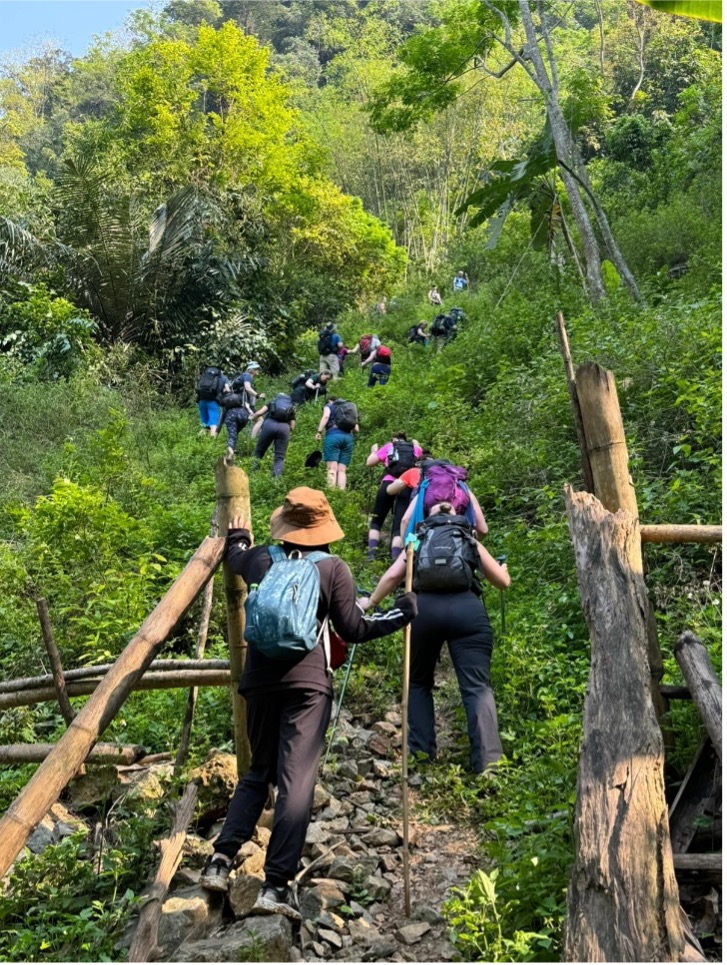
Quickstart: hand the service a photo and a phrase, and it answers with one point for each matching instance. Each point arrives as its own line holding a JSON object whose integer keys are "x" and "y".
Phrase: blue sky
{"x": 72, "y": 22}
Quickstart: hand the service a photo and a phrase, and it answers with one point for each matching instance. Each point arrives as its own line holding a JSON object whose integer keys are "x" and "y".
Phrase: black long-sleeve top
{"x": 337, "y": 601}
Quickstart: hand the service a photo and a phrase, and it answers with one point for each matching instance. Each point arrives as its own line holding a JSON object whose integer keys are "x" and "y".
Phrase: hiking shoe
{"x": 216, "y": 874}
{"x": 276, "y": 901}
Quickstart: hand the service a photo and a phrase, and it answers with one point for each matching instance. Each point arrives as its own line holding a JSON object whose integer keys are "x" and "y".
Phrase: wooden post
{"x": 612, "y": 485}
{"x": 101, "y": 754}
{"x": 575, "y": 404}
{"x": 69, "y": 753}
{"x": 67, "y": 712}
{"x": 144, "y": 946}
{"x": 623, "y": 902}
{"x": 702, "y": 681}
{"x": 165, "y": 680}
{"x": 233, "y": 499}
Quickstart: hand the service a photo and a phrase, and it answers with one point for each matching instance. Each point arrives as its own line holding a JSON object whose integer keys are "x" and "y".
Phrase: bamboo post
{"x": 612, "y": 485}
{"x": 680, "y": 533}
{"x": 405, "y": 738}
{"x": 71, "y": 750}
{"x": 702, "y": 681}
{"x": 170, "y": 680}
{"x": 575, "y": 404}
{"x": 233, "y": 499}
{"x": 67, "y": 712}
{"x": 98, "y": 670}
{"x": 144, "y": 946}
{"x": 623, "y": 901}
{"x": 101, "y": 754}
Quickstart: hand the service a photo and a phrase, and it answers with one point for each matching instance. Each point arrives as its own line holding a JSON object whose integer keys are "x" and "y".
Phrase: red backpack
{"x": 383, "y": 354}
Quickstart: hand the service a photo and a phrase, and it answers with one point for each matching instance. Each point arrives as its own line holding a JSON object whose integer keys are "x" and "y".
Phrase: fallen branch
{"x": 144, "y": 946}
{"x": 67, "y": 712}
{"x": 99, "y": 670}
{"x": 101, "y": 754}
{"x": 673, "y": 533}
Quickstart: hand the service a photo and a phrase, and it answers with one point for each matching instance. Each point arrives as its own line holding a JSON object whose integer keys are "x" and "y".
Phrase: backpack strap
{"x": 277, "y": 554}
{"x": 417, "y": 516}
{"x": 469, "y": 513}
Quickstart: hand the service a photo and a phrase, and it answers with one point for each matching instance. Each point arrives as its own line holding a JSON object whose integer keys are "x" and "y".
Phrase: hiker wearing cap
{"x": 289, "y": 699}
{"x": 278, "y": 421}
{"x": 339, "y": 422}
{"x": 244, "y": 381}
{"x": 328, "y": 344}
{"x": 397, "y": 456}
{"x": 448, "y": 564}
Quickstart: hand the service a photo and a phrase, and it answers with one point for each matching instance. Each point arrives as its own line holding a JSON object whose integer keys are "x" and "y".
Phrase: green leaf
{"x": 696, "y": 9}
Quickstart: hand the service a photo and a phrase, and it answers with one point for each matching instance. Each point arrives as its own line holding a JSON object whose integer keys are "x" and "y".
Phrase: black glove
{"x": 407, "y": 603}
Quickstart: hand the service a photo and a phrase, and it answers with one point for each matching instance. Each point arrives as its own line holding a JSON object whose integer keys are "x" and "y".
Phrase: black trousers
{"x": 382, "y": 506}
{"x": 460, "y": 620}
{"x": 273, "y": 432}
{"x": 286, "y": 731}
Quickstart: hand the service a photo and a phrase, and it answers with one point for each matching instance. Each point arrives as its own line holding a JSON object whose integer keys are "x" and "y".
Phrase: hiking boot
{"x": 216, "y": 874}
{"x": 276, "y": 901}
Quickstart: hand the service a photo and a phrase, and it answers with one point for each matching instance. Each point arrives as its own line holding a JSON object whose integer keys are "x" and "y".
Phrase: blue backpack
{"x": 281, "y": 611}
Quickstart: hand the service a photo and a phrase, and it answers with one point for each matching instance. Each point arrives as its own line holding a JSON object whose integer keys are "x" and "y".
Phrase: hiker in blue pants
{"x": 289, "y": 699}
{"x": 451, "y": 613}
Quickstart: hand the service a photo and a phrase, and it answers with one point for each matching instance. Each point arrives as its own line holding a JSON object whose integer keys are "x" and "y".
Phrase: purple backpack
{"x": 444, "y": 487}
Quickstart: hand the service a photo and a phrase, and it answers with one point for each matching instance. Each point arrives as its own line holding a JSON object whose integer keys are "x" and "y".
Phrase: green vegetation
{"x": 157, "y": 212}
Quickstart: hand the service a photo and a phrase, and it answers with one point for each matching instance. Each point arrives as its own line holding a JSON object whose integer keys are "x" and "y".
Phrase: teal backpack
{"x": 280, "y": 611}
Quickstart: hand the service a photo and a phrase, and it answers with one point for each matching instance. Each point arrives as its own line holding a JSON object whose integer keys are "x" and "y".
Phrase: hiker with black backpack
{"x": 328, "y": 343}
{"x": 210, "y": 387}
{"x": 448, "y": 565}
{"x": 339, "y": 422}
{"x": 235, "y": 415}
{"x": 397, "y": 456}
{"x": 436, "y": 481}
{"x": 380, "y": 361}
{"x": 309, "y": 387}
{"x": 297, "y": 592}
{"x": 278, "y": 421}
{"x": 418, "y": 333}
{"x": 244, "y": 383}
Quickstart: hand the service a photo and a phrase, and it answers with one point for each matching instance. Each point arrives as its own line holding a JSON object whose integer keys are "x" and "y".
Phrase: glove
{"x": 407, "y": 603}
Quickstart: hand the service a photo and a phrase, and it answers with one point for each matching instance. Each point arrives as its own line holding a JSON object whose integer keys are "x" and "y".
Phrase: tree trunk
{"x": 623, "y": 902}
{"x": 69, "y": 753}
{"x": 702, "y": 681}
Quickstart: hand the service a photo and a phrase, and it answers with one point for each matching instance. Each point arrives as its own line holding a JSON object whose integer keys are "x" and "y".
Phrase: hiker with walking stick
{"x": 295, "y": 590}
{"x": 448, "y": 565}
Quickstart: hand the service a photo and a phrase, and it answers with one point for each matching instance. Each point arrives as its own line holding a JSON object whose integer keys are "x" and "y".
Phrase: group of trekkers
{"x": 303, "y": 600}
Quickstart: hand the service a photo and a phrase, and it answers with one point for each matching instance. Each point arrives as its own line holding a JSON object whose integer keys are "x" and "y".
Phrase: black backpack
{"x": 439, "y": 325}
{"x": 208, "y": 386}
{"x": 402, "y": 458}
{"x": 282, "y": 408}
{"x": 447, "y": 560}
{"x": 344, "y": 416}
{"x": 412, "y": 333}
{"x": 232, "y": 400}
{"x": 325, "y": 342}
{"x": 301, "y": 380}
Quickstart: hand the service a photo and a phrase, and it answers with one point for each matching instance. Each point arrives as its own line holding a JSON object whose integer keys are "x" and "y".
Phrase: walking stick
{"x": 340, "y": 703}
{"x": 501, "y": 559}
{"x": 405, "y": 737}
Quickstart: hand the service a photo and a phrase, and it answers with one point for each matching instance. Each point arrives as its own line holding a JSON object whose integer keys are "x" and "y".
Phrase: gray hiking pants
{"x": 460, "y": 620}
{"x": 273, "y": 432}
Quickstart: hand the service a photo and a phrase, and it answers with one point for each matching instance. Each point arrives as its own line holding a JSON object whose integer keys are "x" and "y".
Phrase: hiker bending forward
{"x": 448, "y": 610}
{"x": 289, "y": 698}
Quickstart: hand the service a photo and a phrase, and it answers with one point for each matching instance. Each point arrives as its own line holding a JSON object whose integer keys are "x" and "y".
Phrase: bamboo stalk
{"x": 98, "y": 670}
{"x": 233, "y": 499}
{"x": 69, "y": 753}
{"x": 101, "y": 754}
{"x": 144, "y": 945}
{"x": 67, "y": 712}
{"x": 680, "y": 533}
{"x": 150, "y": 681}
{"x": 405, "y": 738}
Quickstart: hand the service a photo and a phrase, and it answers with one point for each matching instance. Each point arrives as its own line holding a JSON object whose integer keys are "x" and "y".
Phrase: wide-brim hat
{"x": 252, "y": 365}
{"x": 305, "y": 518}
{"x": 313, "y": 459}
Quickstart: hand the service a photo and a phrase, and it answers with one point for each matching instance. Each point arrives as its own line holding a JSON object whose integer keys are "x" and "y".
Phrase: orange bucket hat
{"x": 305, "y": 518}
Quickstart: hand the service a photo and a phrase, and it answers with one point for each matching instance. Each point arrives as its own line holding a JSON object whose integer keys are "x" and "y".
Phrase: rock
{"x": 323, "y": 895}
{"x": 422, "y": 912}
{"x": 266, "y": 819}
{"x": 381, "y": 770}
{"x": 346, "y": 807}
{"x": 413, "y": 933}
{"x": 378, "y": 888}
{"x": 42, "y": 837}
{"x": 384, "y": 727}
{"x": 381, "y": 838}
{"x": 332, "y": 810}
{"x": 181, "y": 918}
{"x": 393, "y": 717}
{"x": 261, "y": 837}
{"x": 321, "y": 797}
{"x": 359, "y": 798}
{"x": 316, "y": 833}
{"x": 58, "y": 823}
{"x": 331, "y": 937}
{"x": 254, "y": 864}
{"x": 380, "y": 951}
{"x": 415, "y": 780}
{"x": 336, "y": 825}
{"x": 246, "y": 850}
{"x": 320, "y": 950}
{"x": 365, "y": 765}
{"x": 363, "y": 932}
{"x": 216, "y": 778}
{"x": 138, "y": 786}
{"x": 380, "y": 746}
{"x": 95, "y": 787}
{"x": 185, "y": 876}
{"x": 244, "y": 889}
{"x": 347, "y": 770}
{"x": 195, "y": 851}
{"x": 267, "y": 937}
{"x": 296, "y": 955}
{"x": 390, "y": 862}
{"x": 359, "y": 911}
{"x": 347, "y": 869}
{"x": 330, "y": 919}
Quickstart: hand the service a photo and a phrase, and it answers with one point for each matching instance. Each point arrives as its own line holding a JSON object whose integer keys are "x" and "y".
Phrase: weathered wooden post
{"x": 233, "y": 499}
{"x": 71, "y": 750}
{"x": 609, "y": 459}
{"x": 703, "y": 684}
{"x": 623, "y": 901}
{"x": 570, "y": 380}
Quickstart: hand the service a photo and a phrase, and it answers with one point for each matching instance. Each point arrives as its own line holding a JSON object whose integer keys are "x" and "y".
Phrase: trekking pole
{"x": 405, "y": 737}
{"x": 501, "y": 560}
{"x": 340, "y": 703}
